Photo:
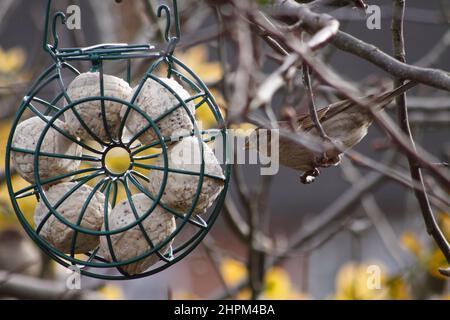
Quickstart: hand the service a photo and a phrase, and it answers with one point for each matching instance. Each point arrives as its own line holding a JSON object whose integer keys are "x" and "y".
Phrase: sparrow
{"x": 345, "y": 123}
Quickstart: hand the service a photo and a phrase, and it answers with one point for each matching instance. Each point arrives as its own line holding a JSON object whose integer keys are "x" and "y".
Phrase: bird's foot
{"x": 309, "y": 176}
{"x": 333, "y": 161}
{"x": 326, "y": 162}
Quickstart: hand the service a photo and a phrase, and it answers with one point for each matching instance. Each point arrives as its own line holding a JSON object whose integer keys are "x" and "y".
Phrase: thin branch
{"x": 327, "y": 26}
{"x": 416, "y": 174}
{"x": 244, "y": 68}
{"x": 274, "y": 82}
{"x": 432, "y": 77}
{"x": 312, "y": 104}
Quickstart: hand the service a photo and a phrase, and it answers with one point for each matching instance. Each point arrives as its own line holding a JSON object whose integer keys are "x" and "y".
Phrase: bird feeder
{"x": 69, "y": 124}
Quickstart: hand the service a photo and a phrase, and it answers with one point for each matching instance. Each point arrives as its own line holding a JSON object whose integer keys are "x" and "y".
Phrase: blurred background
{"x": 384, "y": 228}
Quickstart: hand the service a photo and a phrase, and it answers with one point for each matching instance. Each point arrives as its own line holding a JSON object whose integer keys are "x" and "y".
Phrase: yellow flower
{"x": 398, "y": 289}
{"x": 436, "y": 261}
{"x": 245, "y": 294}
{"x": 111, "y": 292}
{"x": 197, "y": 59}
{"x": 445, "y": 224}
{"x": 410, "y": 241}
{"x": 12, "y": 60}
{"x": 206, "y": 117}
{"x": 277, "y": 284}
{"x": 355, "y": 281}
{"x": 233, "y": 271}
{"x": 5, "y": 128}
{"x": 7, "y": 219}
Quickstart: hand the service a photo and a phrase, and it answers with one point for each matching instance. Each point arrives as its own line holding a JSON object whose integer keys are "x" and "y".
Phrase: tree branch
{"x": 416, "y": 174}
{"x": 312, "y": 104}
{"x": 314, "y": 22}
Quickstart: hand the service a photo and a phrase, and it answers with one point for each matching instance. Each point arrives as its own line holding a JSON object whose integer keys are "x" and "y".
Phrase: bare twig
{"x": 244, "y": 69}
{"x": 416, "y": 174}
{"x": 327, "y": 25}
{"x": 274, "y": 82}
{"x": 312, "y": 104}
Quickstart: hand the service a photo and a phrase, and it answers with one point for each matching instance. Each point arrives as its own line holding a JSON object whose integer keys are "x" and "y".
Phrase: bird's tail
{"x": 387, "y": 98}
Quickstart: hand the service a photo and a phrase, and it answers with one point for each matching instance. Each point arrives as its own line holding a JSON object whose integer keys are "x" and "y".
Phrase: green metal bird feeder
{"x": 48, "y": 101}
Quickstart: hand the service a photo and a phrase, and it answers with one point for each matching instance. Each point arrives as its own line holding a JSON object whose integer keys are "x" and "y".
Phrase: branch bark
{"x": 416, "y": 173}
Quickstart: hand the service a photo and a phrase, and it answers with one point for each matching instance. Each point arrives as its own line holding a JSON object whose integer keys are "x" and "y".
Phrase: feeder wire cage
{"x": 189, "y": 227}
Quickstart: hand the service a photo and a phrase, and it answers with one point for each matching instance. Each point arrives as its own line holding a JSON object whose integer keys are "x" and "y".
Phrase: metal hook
{"x": 173, "y": 41}
{"x": 57, "y": 15}
{"x": 166, "y": 10}
{"x": 46, "y": 45}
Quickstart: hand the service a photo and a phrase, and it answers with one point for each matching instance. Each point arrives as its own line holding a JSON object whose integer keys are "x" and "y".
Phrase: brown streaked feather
{"x": 305, "y": 123}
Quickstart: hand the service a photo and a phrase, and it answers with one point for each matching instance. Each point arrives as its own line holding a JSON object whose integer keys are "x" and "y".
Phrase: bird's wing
{"x": 306, "y": 123}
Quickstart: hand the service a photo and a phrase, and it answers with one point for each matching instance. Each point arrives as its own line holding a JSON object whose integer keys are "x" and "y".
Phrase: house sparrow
{"x": 344, "y": 122}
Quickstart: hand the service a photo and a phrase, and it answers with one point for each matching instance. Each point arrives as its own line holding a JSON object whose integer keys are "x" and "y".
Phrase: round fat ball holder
{"x": 96, "y": 171}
